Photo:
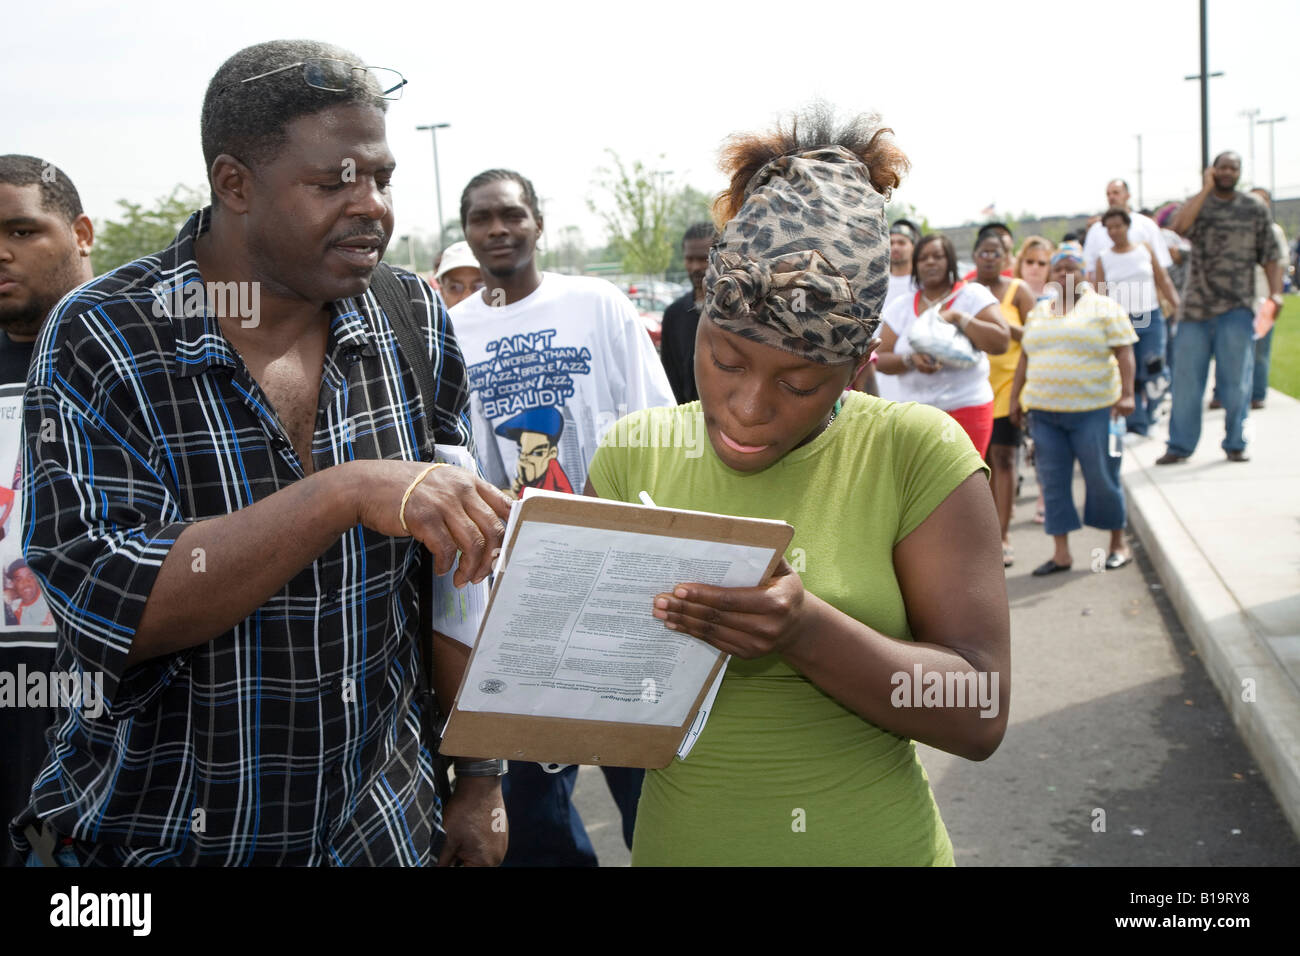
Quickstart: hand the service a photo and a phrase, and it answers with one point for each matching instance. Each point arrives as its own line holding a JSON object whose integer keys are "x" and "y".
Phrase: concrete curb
{"x": 1226, "y": 636}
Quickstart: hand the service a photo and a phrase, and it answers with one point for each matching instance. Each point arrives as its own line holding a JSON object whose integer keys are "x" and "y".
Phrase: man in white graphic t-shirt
{"x": 553, "y": 361}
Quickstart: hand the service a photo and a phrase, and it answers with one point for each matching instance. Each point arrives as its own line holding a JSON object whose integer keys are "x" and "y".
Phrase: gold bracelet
{"x": 411, "y": 487}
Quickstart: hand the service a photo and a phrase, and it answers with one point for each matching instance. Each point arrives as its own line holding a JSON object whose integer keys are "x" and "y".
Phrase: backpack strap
{"x": 395, "y": 301}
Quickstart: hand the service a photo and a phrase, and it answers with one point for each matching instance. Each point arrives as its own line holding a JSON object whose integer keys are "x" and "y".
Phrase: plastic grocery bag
{"x": 942, "y": 340}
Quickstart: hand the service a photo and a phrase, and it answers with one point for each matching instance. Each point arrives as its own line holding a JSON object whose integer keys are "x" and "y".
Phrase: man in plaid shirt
{"x": 226, "y": 488}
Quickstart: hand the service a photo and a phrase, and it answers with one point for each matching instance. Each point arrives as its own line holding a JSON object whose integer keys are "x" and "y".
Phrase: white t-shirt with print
{"x": 949, "y": 388}
{"x": 549, "y": 374}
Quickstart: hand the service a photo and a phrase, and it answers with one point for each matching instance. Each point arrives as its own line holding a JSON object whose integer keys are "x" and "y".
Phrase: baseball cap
{"x": 907, "y": 228}
{"x": 456, "y": 256}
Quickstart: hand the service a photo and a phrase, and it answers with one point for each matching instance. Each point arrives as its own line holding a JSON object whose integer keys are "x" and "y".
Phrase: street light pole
{"x": 1140, "y": 202}
{"x": 1272, "y": 178}
{"x": 437, "y": 182}
{"x": 1250, "y": 125}
{"x": 1204, "y": 77}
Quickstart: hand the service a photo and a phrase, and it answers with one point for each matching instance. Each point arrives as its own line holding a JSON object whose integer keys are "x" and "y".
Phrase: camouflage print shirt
{"x": 1229, "y": 237}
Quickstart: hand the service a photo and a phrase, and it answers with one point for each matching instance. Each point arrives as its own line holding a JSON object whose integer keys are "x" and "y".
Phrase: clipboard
{"x": 568, "y": 740}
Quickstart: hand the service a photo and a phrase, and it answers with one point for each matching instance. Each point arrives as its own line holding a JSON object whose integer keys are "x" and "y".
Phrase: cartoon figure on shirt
{"x": 537, "y": 432}
{"x": 24, "y": 603}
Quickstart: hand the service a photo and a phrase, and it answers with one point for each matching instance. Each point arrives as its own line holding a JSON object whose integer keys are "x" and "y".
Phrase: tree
{"x": 1016, "y": 222}
{"x": 423, "y": 250}
{"x": 453, "y": 231}
{"x": 566, "y": 252}
{"x": 638, "y": 221}
{"x": 895, "y": 209}
{"x": 689, "y": 207}
{"x": 140, "y": 230}
{"x": 414, "y": 249}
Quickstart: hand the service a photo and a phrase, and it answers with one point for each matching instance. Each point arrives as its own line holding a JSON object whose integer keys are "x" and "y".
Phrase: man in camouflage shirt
{"x": 1230, "y": 232}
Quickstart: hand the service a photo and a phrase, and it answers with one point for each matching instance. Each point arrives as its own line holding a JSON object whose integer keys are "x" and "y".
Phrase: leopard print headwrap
{"x": 804, "y": 265}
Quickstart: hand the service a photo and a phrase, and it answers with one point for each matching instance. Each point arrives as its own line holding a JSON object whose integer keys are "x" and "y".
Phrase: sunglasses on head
{"x": 338, "y": 76}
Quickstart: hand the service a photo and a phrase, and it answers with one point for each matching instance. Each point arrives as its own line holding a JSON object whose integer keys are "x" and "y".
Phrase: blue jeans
{"x": 1060, "y": 439}
{"x": 1263, "y": 354}
{"x": 545, "y": 827}
{"x": 1152, "y": 336}
{"x": 1229, "y": 339}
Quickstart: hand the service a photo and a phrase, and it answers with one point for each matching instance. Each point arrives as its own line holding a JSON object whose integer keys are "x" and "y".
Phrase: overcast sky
{"x": 1031, "y": 106}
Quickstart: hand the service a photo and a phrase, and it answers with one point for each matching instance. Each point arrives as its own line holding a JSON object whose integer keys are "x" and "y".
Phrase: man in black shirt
{"x": 45, "y": 242}
{"x": 677, "y": 346}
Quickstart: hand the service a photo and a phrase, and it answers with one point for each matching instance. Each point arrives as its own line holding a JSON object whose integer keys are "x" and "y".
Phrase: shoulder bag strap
{"x": 395, "y": 301}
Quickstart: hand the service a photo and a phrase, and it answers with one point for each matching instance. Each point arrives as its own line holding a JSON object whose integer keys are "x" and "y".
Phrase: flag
{"x": 988, "y": 210}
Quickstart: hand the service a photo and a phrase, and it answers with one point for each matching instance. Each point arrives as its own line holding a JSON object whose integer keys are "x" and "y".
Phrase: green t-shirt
{"x": 783, "y": 774}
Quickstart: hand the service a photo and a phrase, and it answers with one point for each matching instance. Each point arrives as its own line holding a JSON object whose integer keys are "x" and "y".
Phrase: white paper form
{"x": 571, "y": 632}
{"x": 458, "y": 612}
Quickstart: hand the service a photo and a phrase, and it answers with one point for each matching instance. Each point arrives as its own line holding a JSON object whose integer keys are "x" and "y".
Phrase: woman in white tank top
{"x": 1130, "y": 274}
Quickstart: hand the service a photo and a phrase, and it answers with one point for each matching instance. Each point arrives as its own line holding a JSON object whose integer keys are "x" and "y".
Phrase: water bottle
{"x": 1117, "y": 430}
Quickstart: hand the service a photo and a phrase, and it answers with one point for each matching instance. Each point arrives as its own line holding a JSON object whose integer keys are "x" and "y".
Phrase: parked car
{"x": 650, "y": 304}
{"x": 657, "y": 287}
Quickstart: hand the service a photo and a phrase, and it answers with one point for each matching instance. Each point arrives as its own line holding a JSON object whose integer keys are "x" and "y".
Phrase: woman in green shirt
{"x": 888, "y": 621}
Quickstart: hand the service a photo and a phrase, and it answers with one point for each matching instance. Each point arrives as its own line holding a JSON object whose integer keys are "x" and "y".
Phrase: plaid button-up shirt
{"x": 294, "y": 737}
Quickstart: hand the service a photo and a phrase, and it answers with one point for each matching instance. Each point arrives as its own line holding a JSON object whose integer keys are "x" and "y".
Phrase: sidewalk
{"x": 1225, "y": 539}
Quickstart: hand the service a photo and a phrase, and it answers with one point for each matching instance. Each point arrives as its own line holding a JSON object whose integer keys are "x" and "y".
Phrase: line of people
{"x": 1104, "y": 350}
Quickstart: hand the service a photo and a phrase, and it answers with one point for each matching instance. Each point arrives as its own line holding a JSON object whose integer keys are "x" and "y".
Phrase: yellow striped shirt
{"x": 1070, "y": 364}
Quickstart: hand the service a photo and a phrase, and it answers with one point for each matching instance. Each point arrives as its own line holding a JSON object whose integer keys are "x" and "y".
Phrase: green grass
{"x": 1284, "y": 368}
